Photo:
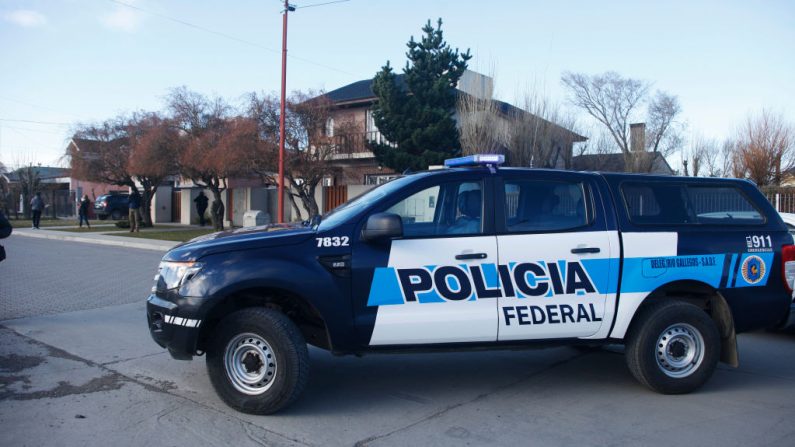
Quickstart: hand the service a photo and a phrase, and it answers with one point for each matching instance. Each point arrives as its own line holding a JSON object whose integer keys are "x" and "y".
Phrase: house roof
{"x": 362, "y": 91}
{"x": 617, "y": 163}
{"x": 44, "y": 172}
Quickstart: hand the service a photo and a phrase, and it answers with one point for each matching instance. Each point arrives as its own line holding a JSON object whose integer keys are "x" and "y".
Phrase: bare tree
{"x": 614, "y": 100}
{"x": 308, "y": 152}
{"x": 211, "y": 154}
{"x": 764, "y": 148}
{"x": 729, "y": 156}
{"x": 482, "y": 125}
{"x": 700, "y": 157}
{"x": 539, "y": 133}
{"x": 610, "y": 98}
{"x": 155, "y": 144}
{"x": 29, "y": 184}
{"x": 663, "y": 133}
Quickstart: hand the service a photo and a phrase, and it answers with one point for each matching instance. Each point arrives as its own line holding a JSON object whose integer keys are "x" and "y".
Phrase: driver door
{"x": 419, "y": 289}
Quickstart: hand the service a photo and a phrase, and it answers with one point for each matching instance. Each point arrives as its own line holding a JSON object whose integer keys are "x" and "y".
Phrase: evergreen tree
{"x": 417, "y": 116}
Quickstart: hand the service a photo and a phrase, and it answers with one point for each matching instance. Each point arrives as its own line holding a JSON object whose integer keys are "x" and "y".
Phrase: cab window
{"x": 454, "y": 208}
{"x": 544, "y": 206}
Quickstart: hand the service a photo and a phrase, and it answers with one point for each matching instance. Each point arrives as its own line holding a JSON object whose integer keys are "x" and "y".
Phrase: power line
{"x": 6, "y": 126}
{"x": 29, "y": 104}
{"x": 51, "y": 123}
{"x": 229, "y": 36}
{"x": 321, "y": 4}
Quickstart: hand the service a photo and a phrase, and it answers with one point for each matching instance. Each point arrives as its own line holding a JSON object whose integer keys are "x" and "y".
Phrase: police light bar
{"x": 475, "y": 160}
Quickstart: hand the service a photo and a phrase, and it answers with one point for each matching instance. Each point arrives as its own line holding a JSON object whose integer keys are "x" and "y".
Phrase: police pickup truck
{"x": 478, "y": 256}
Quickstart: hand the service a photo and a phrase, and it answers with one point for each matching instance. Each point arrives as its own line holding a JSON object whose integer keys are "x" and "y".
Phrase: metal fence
{"x": 783, "y": 199}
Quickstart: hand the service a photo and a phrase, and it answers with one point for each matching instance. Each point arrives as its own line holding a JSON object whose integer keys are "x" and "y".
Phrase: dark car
{"x": 113, "y": 205}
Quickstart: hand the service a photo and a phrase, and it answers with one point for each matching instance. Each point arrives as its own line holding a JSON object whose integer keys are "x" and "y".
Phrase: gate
{"x": 176, "y": 205}
{"x": 334, "y": 196}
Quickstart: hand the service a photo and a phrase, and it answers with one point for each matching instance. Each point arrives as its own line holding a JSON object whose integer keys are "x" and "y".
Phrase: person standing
{"x": 37, "y": 206}
{"x": 5, "y": 231}
{"x": 201, "y": 206}
{"x": 82, "y": 211}
{"x": 134, "y": 215}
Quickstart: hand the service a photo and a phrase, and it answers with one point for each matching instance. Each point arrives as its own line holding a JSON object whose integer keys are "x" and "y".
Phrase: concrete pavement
{"x": 93, "y": 377}
{"x": 84, "y": 371}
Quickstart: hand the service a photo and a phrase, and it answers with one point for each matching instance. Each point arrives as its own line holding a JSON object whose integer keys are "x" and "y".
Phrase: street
{"x": 77, "y": 367}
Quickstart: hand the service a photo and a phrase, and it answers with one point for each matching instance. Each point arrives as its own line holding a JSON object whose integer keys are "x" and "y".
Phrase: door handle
{"x": 581, "y": 250}
{"x": 465, "y": 256}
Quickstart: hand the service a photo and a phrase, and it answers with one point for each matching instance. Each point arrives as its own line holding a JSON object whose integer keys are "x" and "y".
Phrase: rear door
{"x": 558, "y": 258}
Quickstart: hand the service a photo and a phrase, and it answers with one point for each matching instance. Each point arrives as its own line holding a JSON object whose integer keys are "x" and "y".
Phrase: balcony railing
{"x": 355, "y": 144}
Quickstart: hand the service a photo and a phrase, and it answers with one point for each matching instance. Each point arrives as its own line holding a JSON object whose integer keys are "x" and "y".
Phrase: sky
{"x": 65, "y": 62}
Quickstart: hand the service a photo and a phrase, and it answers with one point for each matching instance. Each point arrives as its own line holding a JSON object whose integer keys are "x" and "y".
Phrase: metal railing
{"x": 356, "y": 143}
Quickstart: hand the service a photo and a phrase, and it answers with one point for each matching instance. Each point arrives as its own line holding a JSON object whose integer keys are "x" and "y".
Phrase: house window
{"x": 379, "y": 179}
{"x": 369, "y": 121}
{"x": 330, "y": 127}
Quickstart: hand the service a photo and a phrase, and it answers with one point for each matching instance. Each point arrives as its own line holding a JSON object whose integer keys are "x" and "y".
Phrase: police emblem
{"x": 753, "y": 269}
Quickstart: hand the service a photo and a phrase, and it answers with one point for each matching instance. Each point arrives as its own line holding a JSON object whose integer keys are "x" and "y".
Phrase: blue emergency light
{"x": 490, "y": 160}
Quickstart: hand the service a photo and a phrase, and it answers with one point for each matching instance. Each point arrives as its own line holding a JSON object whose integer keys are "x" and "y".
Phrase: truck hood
{"x": 241, "y": 239}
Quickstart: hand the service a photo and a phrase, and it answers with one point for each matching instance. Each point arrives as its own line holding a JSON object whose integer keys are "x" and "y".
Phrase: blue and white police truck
{"x": 477, "y": 256}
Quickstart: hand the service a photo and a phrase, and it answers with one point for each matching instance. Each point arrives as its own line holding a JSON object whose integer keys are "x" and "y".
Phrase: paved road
{"x": 94, "y": 377}
{"x": 45, "y": 276}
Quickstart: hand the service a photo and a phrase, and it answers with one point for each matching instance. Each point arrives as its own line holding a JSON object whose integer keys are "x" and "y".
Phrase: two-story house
{"x": 351, "y": 125}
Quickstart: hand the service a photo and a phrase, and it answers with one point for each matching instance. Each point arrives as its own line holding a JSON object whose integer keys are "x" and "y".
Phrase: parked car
{"x": 114, "y": 206}
{"x": 477, "y": 256}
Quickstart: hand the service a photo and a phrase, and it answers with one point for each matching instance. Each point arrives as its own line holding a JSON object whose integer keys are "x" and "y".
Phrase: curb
{"x": 145, "y": 244}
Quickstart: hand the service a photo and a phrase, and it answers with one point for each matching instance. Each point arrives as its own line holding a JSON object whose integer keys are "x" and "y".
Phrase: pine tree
{"x": 418, "y": 115}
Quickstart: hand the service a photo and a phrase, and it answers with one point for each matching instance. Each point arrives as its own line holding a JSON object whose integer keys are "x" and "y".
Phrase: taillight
{"x": 788, "y": 266}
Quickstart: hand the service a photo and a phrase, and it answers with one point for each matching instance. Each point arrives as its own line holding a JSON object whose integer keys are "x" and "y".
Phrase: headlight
{"x": 171, "y": 275}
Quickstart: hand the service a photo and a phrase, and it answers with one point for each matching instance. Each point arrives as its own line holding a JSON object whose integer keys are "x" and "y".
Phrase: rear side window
{"x": 543, "y": 206}
{"x": 722, "y": 205}
{"x": 675, "y": 204}
{"x": 655, "y": 203}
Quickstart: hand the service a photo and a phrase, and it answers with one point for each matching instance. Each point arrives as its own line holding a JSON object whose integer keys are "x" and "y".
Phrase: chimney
{"x": 637, "y": 137}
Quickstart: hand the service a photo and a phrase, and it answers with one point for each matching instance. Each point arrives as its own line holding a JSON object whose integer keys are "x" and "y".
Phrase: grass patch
{"x": 173, "y": 235}
{"x": 27, "y": 223}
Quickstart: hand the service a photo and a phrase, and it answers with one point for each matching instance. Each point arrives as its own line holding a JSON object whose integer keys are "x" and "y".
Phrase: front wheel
{"x": 673, "y": 347}
{"x": 258, "y": 361}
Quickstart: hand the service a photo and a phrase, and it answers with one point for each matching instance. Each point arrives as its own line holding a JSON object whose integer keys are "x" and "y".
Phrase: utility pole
{"x": 287, "y": 8}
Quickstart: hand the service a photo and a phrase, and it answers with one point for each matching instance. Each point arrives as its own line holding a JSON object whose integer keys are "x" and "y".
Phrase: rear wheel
{"x": 258, "y": 361}
{"x": 115, "y": 215}
{"x": 673, "y": 347}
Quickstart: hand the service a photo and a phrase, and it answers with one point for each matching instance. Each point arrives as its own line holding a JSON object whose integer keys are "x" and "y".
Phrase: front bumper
{"x": 173, "y": 327}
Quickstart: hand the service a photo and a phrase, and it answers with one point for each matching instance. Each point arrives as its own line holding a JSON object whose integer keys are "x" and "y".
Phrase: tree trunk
{"x": 146, "y": 204}
{"x": 310, "y": 204}
{"x": 217, "y": 209}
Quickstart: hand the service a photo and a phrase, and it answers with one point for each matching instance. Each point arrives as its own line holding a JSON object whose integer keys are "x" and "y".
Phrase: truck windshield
{"x": 348, "y": 209}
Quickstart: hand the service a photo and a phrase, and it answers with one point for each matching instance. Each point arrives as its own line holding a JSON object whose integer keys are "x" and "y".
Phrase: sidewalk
{"x": 98, "y": 238}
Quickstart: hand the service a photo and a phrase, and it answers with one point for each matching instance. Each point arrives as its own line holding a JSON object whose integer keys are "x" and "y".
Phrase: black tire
{"x": 672, "y": 347}
{"x": 115, "y": 215}
{"x": 260, "y": 333}
{"x": 102, "y": 217}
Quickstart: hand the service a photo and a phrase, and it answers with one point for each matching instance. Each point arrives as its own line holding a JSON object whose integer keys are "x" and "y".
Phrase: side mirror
{"x": 381, "y": 226}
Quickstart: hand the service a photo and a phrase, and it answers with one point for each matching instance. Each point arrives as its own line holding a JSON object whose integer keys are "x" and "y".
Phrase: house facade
{"x": 352, "y": 125}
